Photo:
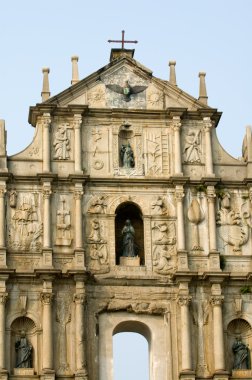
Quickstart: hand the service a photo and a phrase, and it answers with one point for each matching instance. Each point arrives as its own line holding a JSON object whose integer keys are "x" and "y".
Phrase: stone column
{"x": 2, "y": 215}
{"x": 77, "y": 143}
{"x": 186, "y": 359}
{"x": 179, "y": 195}
{"x": 211, "y": 218}
{"x": 3, "y": 299}
{"x": 167, "y": 318}
{"x": 78, "y": 194}
{"x": 79, "y": 299}
{"x": 207, "y": 127}
{"x": 176, "y": 126}
{"x": 46, "y": 123}
{"x": 47, "y": 353}
{"x": 47, "y": 215}
{"x": 218, "y": 344}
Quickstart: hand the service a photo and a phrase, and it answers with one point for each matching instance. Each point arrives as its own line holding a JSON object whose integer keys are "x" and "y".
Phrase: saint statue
{"x": 24, "y": 352}
{"x": 61, "y": 143}
{"x": 127, "y": 156}
{"x": 241, "y": 355}
{"x": 128, "y": 237}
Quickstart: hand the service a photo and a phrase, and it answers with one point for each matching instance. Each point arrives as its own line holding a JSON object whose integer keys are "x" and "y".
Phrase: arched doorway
{"x": 129, "y": 211}
{"x": 130, "y": 356}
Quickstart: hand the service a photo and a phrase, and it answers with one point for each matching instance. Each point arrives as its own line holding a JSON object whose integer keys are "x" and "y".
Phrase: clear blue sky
{"x": 201, "y": 35}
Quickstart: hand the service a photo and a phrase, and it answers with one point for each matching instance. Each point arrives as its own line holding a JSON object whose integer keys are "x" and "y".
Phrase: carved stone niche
{"x": 129, "y": 211}
{"x": 239, "y": 340}
{"x": 127, "y": 150}
{"x": 23, "y": 347}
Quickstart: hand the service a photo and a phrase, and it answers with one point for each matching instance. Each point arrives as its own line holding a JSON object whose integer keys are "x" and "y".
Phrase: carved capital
{"x": 46, "y": 298}
{"x": 77, "y": 120}
{"x": 176, "y": 123}
{"x": 79, "y": 298}
{"x": 211, "y": 195}
{"x": 208, "y": 124}
{"x": 2, "y": 191}
{"x": 184, "y": 300}
{"x": 216, "y": 300}
{"x": 46, "y": 120}
{"x": 46, "y": 192}
{"x": 78, "y": 194}
{"x": 179, "y": 194}
{"x": 3, "y": 298}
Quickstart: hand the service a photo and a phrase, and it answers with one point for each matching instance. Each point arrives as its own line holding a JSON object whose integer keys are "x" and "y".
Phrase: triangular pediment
{"x": 125, "y": 83}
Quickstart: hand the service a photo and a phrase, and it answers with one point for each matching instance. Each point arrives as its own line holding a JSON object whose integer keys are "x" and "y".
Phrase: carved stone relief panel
{"x": 157, "y": 151}
{"x": 62, "y": 144}
{"x": 96, "y": 96}
{"x": 124, "y": 89}
{"x": 97, "y": 247}
{"x": 155, "y": 98}
{"x": 63, "y": 222}
{"x": 99, "y": 148}
{"x": 25, "y": 226}
{"x": 192, "y": 148}
{"x": 163, "y": 246}
{"x": 233, "y": 222}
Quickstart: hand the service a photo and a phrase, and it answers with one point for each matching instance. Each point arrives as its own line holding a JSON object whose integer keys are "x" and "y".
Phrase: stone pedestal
{"x": 23, "y": 371}
{"x": 3, "y": 374}
{"x": 48, "y": 375}
{"x": 242, "y": 374}
{"x": 187, "y": 375}
{"x": 130, "y": 261}
{"x": 221, "y": 376}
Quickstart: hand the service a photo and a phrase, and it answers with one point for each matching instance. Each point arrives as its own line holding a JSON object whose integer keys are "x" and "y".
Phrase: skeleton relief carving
{"x": 164, "y": 247}
{"x": 98, "y": 253}
{"x": 61, "y": 142}
{"x": 26, "y": 226}
{"x": 63, "y": 225}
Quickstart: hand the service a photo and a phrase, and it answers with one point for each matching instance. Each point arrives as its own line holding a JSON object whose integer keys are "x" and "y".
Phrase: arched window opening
{"x": 125, "y": 212}
{"x": 130, "y": 356}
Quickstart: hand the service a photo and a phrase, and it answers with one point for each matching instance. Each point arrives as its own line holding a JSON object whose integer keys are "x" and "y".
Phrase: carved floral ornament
{"x": 79, "y": 298}
{"x": 3, "y": 298}
{"x": 184, "y": 300}
{"x": 46, "y": 298}
{"x": 77, "y": 120}
{"x": 46, "y": 120}
{"x": 217, "y": 300}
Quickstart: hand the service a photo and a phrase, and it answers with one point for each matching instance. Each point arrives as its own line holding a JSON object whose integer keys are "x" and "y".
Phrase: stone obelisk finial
{"x": 45, "y": 89}
{"x": 172, "y": 65}
{"x": 75, "y": 71}
{"x": 202, "y": 88}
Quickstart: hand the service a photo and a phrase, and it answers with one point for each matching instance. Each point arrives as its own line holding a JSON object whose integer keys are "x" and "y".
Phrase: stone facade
{"x": 64, "y": 201}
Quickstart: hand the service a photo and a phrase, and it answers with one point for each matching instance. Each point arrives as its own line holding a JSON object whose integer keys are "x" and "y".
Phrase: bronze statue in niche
{"x": 129, "y": 232}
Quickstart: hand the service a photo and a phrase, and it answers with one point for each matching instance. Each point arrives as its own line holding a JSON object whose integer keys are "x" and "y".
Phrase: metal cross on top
{"x": 123, "y": 41}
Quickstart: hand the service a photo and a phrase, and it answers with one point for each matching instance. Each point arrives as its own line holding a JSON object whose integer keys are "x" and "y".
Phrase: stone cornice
{"x": 84, "y": 110}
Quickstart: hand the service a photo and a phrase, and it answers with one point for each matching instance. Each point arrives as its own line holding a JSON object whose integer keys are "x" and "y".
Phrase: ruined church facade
{"x": 125, "y": 214}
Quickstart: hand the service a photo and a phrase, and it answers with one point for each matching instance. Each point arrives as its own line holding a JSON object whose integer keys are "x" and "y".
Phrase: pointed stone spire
{"x": 45, "y": 89}
{"x": 202, "y": 88}
{"x": 172, "y": 65}
{"x": 75, "y": 71}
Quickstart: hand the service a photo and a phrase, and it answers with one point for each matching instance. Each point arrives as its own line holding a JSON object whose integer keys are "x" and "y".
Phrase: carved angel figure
{"x": 126, "y": 90}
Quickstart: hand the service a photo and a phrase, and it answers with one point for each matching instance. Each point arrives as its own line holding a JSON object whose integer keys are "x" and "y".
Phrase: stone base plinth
{"x": 187, "y": 375}
{"x": 221, "y": 376}
{"x": 3, "y": 374}
{"x": 130, "y": 261}
{"x": 242, "y": 374}
{"x": 48, "y": 375}
{"x": 23, "y": 371}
